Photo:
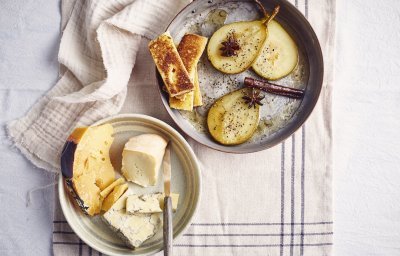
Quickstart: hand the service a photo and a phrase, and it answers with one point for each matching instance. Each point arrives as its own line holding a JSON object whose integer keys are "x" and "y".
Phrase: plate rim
{"x": 188, "y": 149}
{"x": 261, "y": 147}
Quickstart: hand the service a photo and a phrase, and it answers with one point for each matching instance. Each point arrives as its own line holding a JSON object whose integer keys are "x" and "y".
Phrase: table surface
{"x": 366, "y": 121}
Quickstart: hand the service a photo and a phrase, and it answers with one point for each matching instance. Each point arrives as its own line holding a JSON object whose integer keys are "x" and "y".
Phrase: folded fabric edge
{"x": 13, "y": 134}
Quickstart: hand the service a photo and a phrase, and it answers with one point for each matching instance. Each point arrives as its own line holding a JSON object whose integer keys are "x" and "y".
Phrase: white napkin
{"x": 275, "y": 202}
{"x": 98, "y": 51}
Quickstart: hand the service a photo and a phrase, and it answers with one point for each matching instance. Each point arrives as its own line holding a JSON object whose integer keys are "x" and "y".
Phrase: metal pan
{"x": 280, "y": 116}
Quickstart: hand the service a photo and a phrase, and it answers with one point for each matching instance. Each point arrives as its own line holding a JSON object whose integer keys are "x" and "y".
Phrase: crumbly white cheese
{"x": 142, "y": 157}
{"x": 149, "y": 203}
{"x": 143, "y": 204}
{"x": 132, "y": 229}
{"x": 174, "y": 199}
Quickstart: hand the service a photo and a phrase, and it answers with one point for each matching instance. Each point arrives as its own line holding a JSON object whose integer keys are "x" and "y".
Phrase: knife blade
{"x": 167, "y": 212}
{"x": 167, "y": 171}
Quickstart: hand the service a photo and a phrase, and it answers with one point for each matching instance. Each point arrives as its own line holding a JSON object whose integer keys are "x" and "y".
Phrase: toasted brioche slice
{"x": 185, "y": 104}
{"x": 190, "y": 50}
{"x": 192, "y": 99}
{"x": 169, "y": 64}
{"x": 197, "y": 98}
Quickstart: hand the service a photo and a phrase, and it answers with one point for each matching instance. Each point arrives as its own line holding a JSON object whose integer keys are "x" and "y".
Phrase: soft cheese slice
{"x": 132, "y": 229}
{"x": 142, "y": 157}
{"x": 114, "y": 196}
{"x": 149, "y": 203}
{"x": 86, "y": 165}
{"x": 174, "y": 199}
{"x": 105, "y": 192}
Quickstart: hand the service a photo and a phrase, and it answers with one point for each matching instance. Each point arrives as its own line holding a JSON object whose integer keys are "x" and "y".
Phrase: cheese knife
{"x": 167, "y": 212}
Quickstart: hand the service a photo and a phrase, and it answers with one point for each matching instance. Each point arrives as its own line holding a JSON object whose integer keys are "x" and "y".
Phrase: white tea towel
{"x": 275, "y": 202}
{"x": 97, "y": 51}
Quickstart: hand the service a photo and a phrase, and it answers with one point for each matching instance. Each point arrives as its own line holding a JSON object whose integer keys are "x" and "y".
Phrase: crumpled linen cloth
{"x": 275, "y": 202}
{"x": 97, "y": 52}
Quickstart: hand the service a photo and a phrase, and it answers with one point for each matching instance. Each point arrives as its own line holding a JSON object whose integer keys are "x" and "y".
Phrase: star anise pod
{"x": 254, "y": 98}
{"x": 230, "y": 46}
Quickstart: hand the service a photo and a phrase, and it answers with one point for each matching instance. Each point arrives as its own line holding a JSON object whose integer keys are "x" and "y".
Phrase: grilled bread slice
{"x": 185, "y": 103}
{"x": 169, "y": 64}
{"x": 190, "y": 50}
{"x": 197, "y": 98}
{"x": 190, "y": 100}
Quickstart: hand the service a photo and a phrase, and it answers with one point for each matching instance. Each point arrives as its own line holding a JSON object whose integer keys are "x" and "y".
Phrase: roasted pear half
{"x": 234, "y": 47}
{"x": 279, "y": 55}
{"x": 232, "y": 120}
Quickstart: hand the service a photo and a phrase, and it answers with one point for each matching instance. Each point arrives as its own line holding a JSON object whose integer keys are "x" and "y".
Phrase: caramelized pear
{"x": 234, "y": 47}
{"x": 279, "y": 55}
{"x": 232, "y": 120}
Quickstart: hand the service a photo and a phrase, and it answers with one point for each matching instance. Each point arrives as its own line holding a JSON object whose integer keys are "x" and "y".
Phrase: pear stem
{"x": 261, "y": 7}
{"x": 273, "y": 14}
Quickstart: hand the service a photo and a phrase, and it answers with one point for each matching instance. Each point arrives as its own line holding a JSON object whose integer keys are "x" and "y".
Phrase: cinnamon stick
{"x": 274, "y": 88}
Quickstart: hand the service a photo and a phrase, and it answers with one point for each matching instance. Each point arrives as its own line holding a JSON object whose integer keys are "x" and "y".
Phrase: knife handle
{"x": 167, "y": 227}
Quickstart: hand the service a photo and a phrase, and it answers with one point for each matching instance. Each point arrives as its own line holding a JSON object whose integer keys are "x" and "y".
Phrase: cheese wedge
{"x": 170, "y": 66}
{"x": 190, "y": 50}
{"x": 86, "y": 165}
{"x": 149, "y": 203}
{"x": 114, "y": 196}
{"x": 142, "y": 157}
{"x": 104, "y": 193}
{"x": 174, "y": 199}
{"x": 132, "y": 229}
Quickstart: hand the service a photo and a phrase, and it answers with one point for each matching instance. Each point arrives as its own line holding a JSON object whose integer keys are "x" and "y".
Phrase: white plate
{"x": 186, "y": 180}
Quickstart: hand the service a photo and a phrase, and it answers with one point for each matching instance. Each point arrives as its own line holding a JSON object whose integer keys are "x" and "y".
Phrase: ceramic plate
{"x": 280, "y": 116}
{"x": 185, "y": 181}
